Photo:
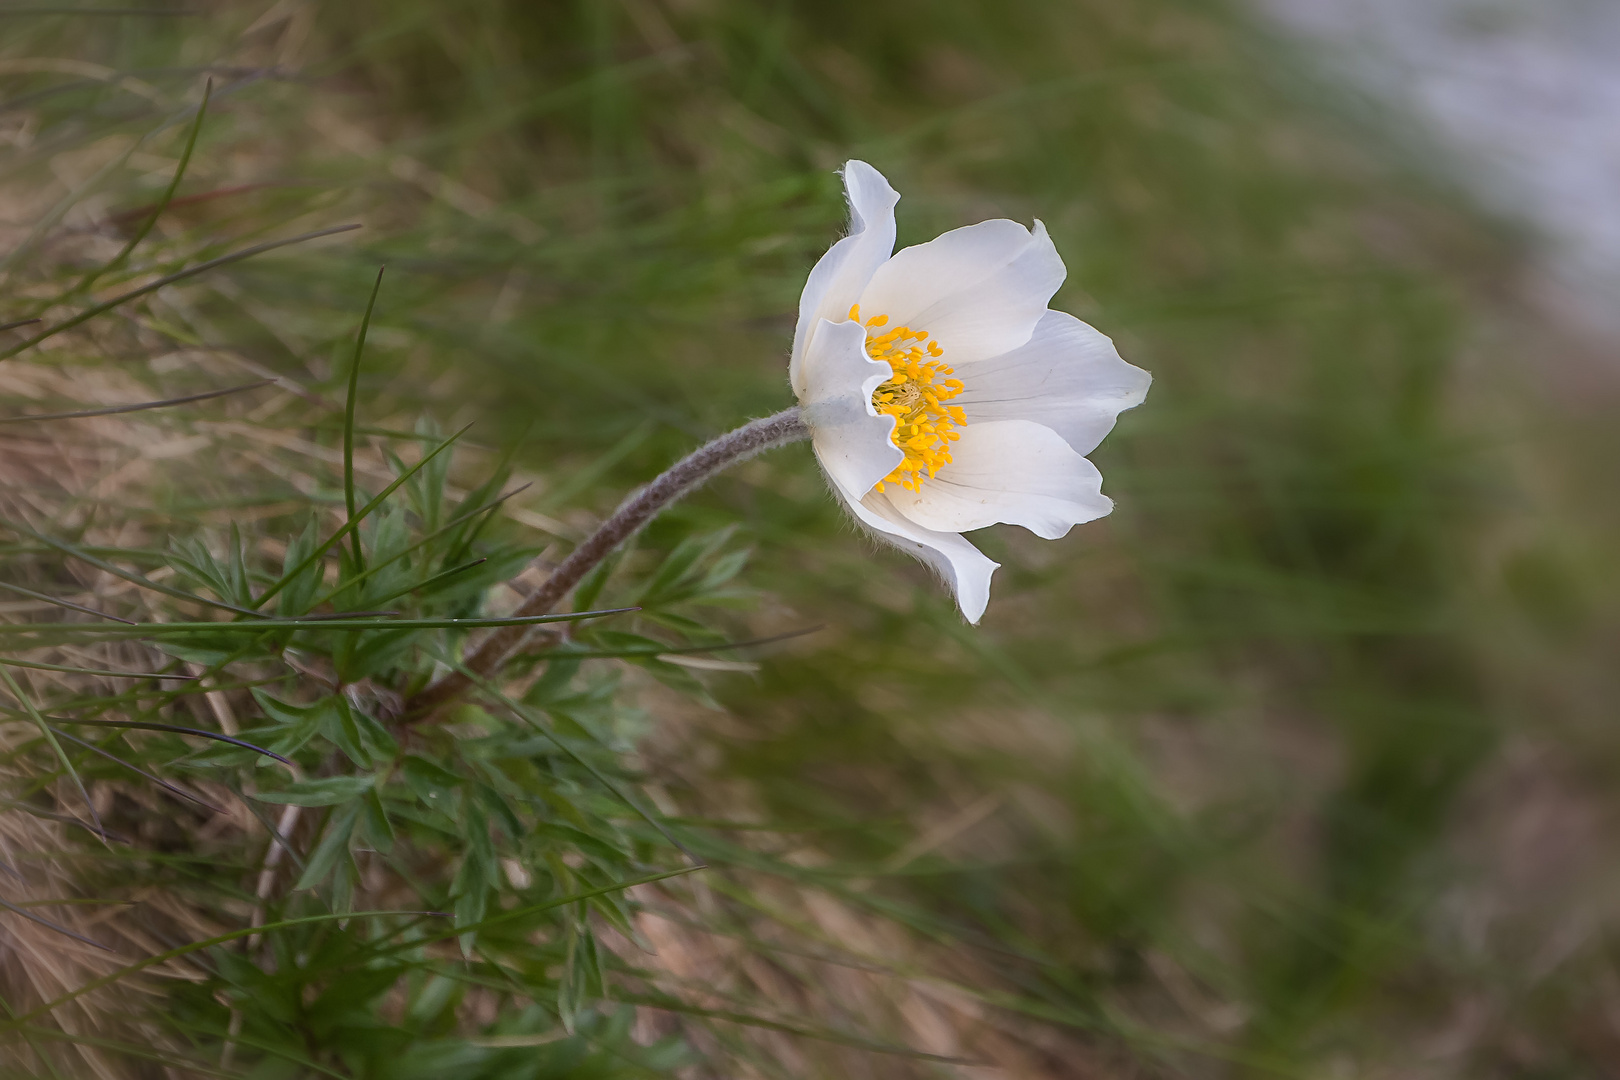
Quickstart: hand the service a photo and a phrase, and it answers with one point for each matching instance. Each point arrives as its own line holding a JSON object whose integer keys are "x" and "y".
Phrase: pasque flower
{"x": 942, "y": 395}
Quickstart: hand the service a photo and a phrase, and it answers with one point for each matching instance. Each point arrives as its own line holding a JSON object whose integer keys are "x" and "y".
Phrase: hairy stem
{"x": 688, "y": 473}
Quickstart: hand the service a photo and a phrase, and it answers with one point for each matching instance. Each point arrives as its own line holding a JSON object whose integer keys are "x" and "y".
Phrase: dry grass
{"x": 79, "y": 475}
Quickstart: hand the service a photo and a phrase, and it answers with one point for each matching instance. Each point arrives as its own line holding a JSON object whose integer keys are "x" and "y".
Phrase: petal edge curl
{"x": 851, "y": 440}
{"x": 839, "y": 277}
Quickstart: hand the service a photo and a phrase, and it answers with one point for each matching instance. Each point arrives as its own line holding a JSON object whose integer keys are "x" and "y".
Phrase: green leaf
{"x": 724, "y": 569}
{"x": 339, "y": 726}
{"x": 365, "y": 511}
{"x": 502, "y": 810}
{"x": 475, "y": 878}
{"x": 236, "y": 570}
{"x": 471, "y": 514}
{"x": 428, "y": 488}
{"x": 366, "y": 655}
{"x": 283, "y": 712}
{"x": 192, "y": 654}
{"x": 677, "y": 577}
{"x": 553, "y": 685}
{"x": 334, "y": 845}
{"x": 432, "y": 783}
{"x": 582, "y": 974}
{"x": 299, "y": 593}
{"x": 326, "y": 792}
{"x": 638, "y": 650}
{"x": 691, "y": 629}
{"x": 437, "y": 994}
{"x": 378, "y": 829}
{"x": 377, "y": 739}
{"x": 193, "y": 560}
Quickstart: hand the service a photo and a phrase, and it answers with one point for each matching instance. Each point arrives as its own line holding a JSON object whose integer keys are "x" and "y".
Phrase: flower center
{"x": 924, "y": 426}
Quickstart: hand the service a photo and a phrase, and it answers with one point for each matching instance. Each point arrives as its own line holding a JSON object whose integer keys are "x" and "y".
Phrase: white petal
{"x": 979, "y": 290}
{"x": 964, "y": 567}
{"x": 1068, "y": 377}
{"x": 837, "y": 280}
{"x": 1012, "y": 471}
{"x": 851, "y": 439}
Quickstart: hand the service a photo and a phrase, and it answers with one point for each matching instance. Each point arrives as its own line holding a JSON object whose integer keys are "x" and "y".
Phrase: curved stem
{"x": 688, "y": 473}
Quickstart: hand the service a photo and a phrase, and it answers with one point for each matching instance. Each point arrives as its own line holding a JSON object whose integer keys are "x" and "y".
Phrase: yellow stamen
{"x": 924, "y": 427}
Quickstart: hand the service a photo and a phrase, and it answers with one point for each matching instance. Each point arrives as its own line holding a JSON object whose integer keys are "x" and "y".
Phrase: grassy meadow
{"x": 1300, "y": 764}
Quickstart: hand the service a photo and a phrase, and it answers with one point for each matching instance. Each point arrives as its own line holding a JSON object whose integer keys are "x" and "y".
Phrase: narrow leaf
{"x": 348, "y": 420}
{"x": 146, "y": 227}
{"x": 50, "y": 738}
{"x": 329, "y": 791}
{"x": 164, "y": 282}
{"x": 334, "y": 845}
{"x": 41, "y": 920}
{"x": 112, "y": 410}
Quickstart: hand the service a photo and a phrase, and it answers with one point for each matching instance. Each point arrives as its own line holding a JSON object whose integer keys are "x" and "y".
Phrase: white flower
{"x": 942, "y": 394}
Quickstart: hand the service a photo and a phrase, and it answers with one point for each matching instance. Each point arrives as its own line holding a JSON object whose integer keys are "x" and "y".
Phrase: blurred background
{"x": 1303, "y": 762}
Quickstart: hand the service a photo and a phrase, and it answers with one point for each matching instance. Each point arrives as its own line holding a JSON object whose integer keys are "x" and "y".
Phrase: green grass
{"x": 1231, "y": 783}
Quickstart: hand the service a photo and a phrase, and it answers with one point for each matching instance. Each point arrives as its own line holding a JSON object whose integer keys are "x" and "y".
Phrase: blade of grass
{"x": 271, "y": 827}
{"x": 65, "y": 819}
{"x": 348, "y": 418}
{"x": 158, "y": 696}
{"x": 171, "y": 788}
{"x": 143, "y": 13}
{"x": 50, "y": 737}
{"x": 107, "y": 673}
{"x": 123, "y": 217}
{"x": 141, "y": 233}
{"x": 163, "y": 282}
{"x": 177, "y": 1066}
{"x": 144, "y": 725}
{"x": 19, "y": 322}
{"x": 56, "y": 213}
{"x": 18, "y": 909}
{"x": 328, "y": 616}
{"x": 59, "y": 602}
{"x": 262, "y": 1045}
{"x": 113, "y": 410}
{"x": 271, "y": 626}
